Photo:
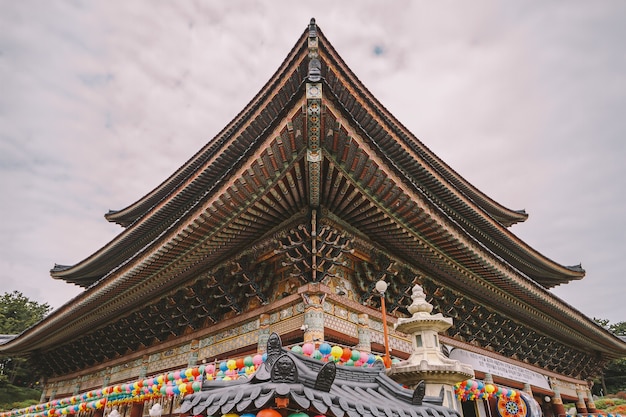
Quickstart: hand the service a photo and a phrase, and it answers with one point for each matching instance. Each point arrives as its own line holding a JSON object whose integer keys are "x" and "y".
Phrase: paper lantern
{"x": 325, "y": 349}
{"x": 308, "y": 349}
{"x": 346, "y": 354}
{"x": 336, "y": 352}
{"x": 268, "y": 412}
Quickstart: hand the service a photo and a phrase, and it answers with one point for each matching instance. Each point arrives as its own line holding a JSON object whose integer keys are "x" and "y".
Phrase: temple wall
{"x": 397, "y": 341}
{"x": 216, "y": 346}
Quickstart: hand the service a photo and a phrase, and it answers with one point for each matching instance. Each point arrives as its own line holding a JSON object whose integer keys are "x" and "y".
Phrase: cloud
{"x": 101, "y": 102}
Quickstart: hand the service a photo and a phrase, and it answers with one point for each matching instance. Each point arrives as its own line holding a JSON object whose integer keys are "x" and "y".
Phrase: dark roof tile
{"x": 352, "y": 391}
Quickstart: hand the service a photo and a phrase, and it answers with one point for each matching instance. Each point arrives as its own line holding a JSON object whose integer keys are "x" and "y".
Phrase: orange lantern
{"x": 268, "y": 412}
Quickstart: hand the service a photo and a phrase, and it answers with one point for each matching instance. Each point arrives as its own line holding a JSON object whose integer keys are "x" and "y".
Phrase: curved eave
{"x": 425, "y": 236}
{"x": 151, "y": 215}
{"x": 502, "y": 214}
{"x": 130, "y": 214}
{"x": 204, "y": 237}
{"x": 130, "y": 285}
{"x": 216, "y": 154}
{"x": 426, "y": 171}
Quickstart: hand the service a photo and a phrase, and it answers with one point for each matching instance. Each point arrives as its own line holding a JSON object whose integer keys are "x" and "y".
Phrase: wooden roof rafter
{"x": 290, "y": 76}
{"x": 388, "y": 228}
{"x": 414, "y": 161}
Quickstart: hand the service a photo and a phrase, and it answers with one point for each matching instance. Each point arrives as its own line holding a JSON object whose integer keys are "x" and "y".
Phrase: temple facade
{"x": 284, "y": 223}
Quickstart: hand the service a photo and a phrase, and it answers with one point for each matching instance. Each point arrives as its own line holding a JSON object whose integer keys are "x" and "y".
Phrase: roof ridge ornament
{"x": 315, "y": 66}
{"x": 312, "y": 28}
{"x": 314, "y": 116}
{"x": 326, "y": 377}
{"x": 284, "y": 370}
{"x": 274, "y": 350}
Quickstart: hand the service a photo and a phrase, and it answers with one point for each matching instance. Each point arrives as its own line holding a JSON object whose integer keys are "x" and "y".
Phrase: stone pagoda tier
{"x": 427, "y": 362}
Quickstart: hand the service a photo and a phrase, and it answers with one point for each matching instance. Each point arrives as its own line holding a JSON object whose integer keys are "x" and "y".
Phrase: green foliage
{"x": 18, "y": 313}
{"x": 618, "y": 329}
{"x": 606, "y": 403}
{"x": 17, "y": 397}
{"x": 614, "y": 378}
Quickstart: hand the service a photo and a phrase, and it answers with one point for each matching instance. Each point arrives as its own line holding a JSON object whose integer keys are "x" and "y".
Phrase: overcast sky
{"x": 101, "y": 101}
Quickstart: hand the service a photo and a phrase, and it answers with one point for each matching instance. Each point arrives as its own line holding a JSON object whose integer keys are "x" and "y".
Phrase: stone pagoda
{"x": 427, "y": 362}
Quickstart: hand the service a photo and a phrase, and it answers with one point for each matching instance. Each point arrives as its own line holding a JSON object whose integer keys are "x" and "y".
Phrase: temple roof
{"x": 374, "y": 178}
{"x": 310, "y": 385}
{"x": 361, "y": 130}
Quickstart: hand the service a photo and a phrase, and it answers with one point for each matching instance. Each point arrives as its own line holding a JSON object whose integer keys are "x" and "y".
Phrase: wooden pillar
{"x": 264, "y": 332}
{"x": 364, "y": 333}
{"x": 557, "y": 402}
{"x": 591, "y": 406}
{"x": 136, "y": 410}
{"x": 106, "y": 378}
{"x": 313, "y": 317}
{"x": 192, "y": 360}
{"x": 44, "y": 387}
{"x": 76, "y": 388}
{"x": 581, "y": 407}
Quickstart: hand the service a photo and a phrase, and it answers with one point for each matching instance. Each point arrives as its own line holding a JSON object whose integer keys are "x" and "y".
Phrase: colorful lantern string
{"x": 471, "y": 389}
{"x": 184, "y": 382}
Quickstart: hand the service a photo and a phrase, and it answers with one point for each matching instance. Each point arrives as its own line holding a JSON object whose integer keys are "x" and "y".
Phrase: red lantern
{"x": 268, "y": 412}
{"x": 346, "y": 354}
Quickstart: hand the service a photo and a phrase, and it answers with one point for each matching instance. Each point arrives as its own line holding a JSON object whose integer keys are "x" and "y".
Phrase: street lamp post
{"x": 381, "y": 287}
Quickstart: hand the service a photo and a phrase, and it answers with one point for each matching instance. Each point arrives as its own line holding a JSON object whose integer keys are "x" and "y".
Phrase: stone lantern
{"x": 427, "y": 362}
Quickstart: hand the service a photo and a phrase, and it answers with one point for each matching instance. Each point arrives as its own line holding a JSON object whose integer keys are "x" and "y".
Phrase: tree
{"x": 618, "y": 329}
{"x": 18, "y": 313}
{"x": 614, "y": 377}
